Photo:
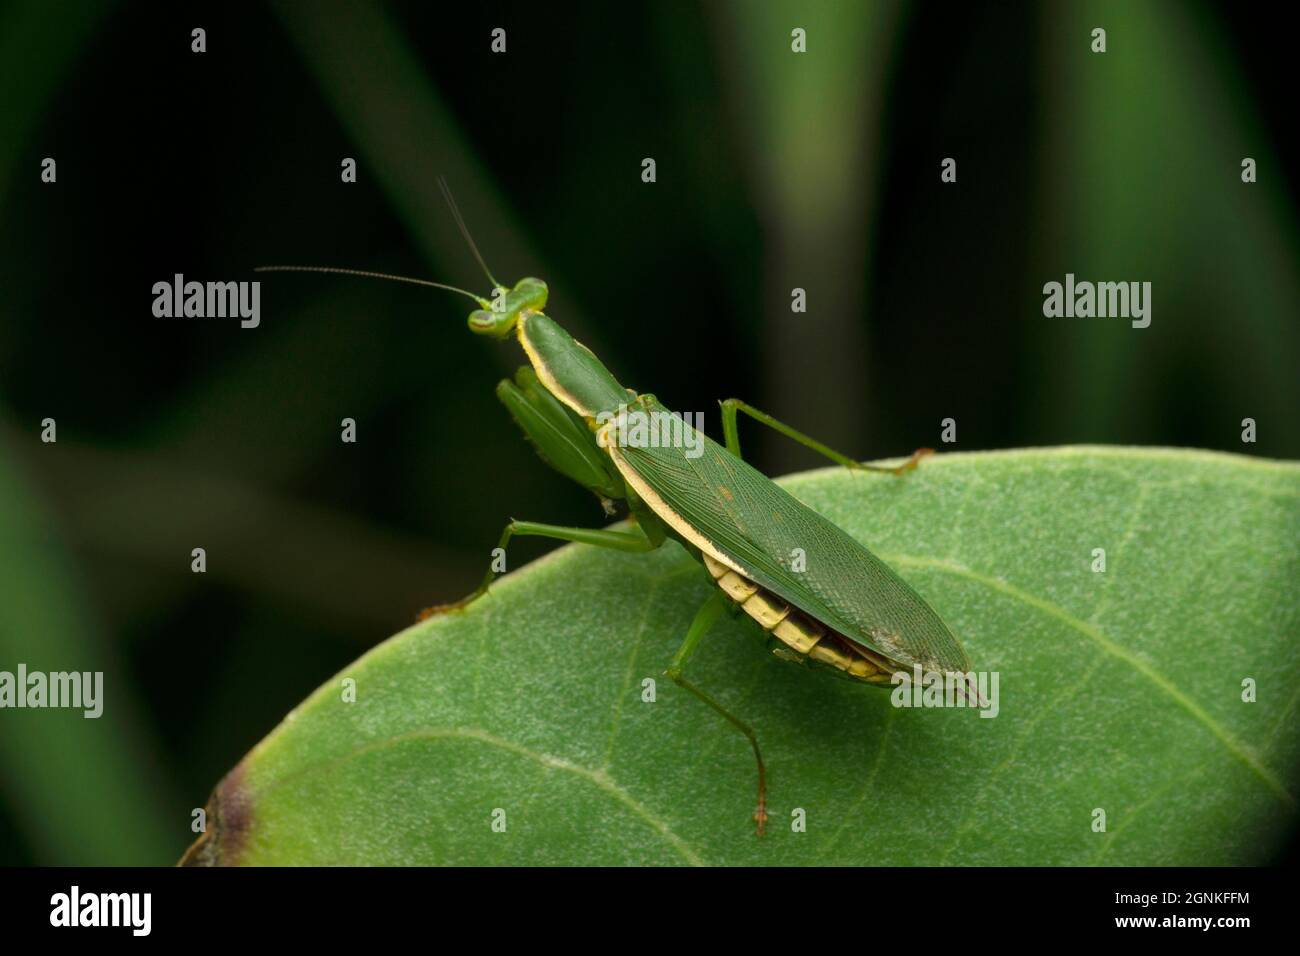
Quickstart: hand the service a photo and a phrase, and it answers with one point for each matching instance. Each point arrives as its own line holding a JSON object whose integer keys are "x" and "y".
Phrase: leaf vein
{"x": 1110, "y": 647}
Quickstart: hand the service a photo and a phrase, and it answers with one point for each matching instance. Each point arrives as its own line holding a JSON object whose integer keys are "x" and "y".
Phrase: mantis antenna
{"x": 372, "y": 275}
{"x": 464, "y": 230}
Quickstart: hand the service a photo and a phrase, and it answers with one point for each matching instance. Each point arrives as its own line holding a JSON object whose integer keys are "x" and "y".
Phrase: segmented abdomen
{"x": 806, "y": 637}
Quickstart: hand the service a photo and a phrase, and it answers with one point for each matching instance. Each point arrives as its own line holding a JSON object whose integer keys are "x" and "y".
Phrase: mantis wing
{"x": 737, "y": 514}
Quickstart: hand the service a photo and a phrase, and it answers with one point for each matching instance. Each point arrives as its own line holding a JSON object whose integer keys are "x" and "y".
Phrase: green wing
{"x": 757, "y": 524}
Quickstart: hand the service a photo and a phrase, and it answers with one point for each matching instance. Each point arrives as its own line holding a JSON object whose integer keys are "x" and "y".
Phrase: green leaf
{"x": 1119, "y": 690}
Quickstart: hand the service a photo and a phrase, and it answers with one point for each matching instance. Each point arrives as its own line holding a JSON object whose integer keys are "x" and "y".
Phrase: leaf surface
{"x": 1118, "y": 691}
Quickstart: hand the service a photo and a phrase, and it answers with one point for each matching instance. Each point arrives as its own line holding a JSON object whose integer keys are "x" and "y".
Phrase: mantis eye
{"x": 483, "y": 322}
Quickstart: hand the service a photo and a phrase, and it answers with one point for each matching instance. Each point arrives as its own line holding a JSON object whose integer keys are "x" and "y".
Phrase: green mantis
{"x": 821, "y": 598}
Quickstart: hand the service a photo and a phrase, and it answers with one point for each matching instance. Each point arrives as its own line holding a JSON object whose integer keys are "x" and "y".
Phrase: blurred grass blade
{"x": 36, "y": 48}
{"x": 1145, "y": 185}
{"x": 812, "y": 123}
{"x": 83, "y": 788}
{"x": 406, "y": 133}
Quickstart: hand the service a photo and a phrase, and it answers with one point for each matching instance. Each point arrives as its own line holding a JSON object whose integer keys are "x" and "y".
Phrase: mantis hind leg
{"x": 733, "y": 405}
{"x": 705, "y": 618}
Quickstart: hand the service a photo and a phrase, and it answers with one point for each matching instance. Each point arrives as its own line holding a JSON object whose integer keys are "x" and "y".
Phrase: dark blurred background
{"x": 774, "y": 170}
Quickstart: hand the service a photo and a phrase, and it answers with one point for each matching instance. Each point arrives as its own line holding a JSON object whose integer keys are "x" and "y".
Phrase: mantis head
{"x": 499, "y": 317}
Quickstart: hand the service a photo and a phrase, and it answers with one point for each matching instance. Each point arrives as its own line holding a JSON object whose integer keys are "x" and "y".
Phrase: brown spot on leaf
{"x": 229, "y": 816}
{"x": 438, "y": 610}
